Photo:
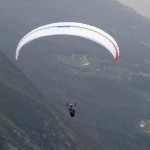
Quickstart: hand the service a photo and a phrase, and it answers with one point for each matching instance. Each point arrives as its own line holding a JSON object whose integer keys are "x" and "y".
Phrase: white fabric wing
{"x": 75, "y": 29}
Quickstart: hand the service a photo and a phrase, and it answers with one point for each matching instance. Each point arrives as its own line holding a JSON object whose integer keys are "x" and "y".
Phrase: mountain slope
{"x": 114, "y": 98}
{"x": 28, "y": 121}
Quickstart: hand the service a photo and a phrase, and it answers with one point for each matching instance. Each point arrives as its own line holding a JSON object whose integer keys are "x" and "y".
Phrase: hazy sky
{"x": 141, "y": 6}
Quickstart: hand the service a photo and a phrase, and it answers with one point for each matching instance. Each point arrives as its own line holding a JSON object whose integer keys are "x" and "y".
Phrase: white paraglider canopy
{"x": 72, "y": 28}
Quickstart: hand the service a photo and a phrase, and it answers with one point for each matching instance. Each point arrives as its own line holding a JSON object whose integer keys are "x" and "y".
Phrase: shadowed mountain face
{"x": 112, "y": 97}
{"x": 28, "y": 121}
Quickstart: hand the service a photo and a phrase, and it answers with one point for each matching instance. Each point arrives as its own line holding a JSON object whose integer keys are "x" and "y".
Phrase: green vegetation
{"x": 28, "y": 121}
{"x": 111, "y": 101}
{"x": 71, "y": 62}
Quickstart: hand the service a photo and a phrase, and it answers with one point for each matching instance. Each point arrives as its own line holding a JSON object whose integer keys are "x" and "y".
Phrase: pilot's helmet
{"x": 70, "y": 105}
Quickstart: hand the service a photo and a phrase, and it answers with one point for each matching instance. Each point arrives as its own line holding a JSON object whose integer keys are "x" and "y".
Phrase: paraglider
{"x": 75, "y": 29}
{"x": 71, "y": 109}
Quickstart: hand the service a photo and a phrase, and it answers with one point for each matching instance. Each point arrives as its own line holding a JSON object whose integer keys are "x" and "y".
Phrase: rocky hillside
{"x": 29, "y": 122}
